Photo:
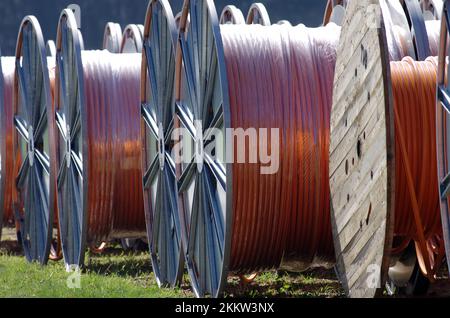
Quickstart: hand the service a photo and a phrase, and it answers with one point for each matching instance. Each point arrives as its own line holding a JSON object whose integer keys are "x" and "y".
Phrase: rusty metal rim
{"x": 159, "y": 177}
{"x": 33, "y": 147}
{"x": 70, "y": 103}
{"x": 257, "y": 14}
{"x": 206, "y": 224}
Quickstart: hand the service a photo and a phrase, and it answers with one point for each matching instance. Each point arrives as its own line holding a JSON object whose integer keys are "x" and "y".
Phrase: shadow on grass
{"x": 11, "y": 248}
{"x": 115, "y": 261}
{"x": 315, "y": 283}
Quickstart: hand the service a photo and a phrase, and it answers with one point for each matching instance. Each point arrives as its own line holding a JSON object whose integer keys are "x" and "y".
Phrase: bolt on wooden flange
{"x": 362, "y": 152}
{"x": 112, "y": 37}
{"x": 35, "y": 191}
{"x": 257, "y": 14}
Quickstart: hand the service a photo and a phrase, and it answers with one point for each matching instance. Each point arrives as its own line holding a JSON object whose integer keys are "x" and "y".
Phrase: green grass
{"x": 120, "y": 274}
{"x": 117, "y": 276}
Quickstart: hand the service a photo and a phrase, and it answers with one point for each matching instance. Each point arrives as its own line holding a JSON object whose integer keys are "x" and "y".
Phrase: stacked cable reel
{"x": 132, "y": 42}
{"x": 98, "y": 144}
{"x": 7, "y": 65}
{"x": 432, "y": 9}
{"x": 335, "y": 11}
{"x": 232, "y": 15}
{"x": 112, "y": 37}
{"x": 442, "y": 122}
{"x": 382, "y": 167}
{"x": 34, "y": 196}
{"x": 257, "y": 14}
{"x": 132, "y": 39}
{"x": 233, "y": 218}
{"x": 159, "y": 178}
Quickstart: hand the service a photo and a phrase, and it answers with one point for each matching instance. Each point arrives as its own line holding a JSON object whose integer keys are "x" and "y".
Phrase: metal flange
{"x": 432, "y": 9}
{"x": 231, "y": 15}
{"x": 34, "y": 147}
{"x": 72, "y": 154}
{"x": 132, "y": 39}
{"x": 157, "y": 125}
{"x": 257, "y": 14}
{"x": 112, "y": 37}
{"x": 204, "y": 183}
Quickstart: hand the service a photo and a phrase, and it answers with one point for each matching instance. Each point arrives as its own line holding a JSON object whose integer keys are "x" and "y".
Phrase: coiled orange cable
{"x": 112, "y": 90}
{"x": 7, "y": 166}
{"x": 281, "y": 77}
{"x": 417, "y": 215}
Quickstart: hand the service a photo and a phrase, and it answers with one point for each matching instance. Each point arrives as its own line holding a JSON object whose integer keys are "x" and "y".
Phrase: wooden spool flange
{"x": 362, "y": 152}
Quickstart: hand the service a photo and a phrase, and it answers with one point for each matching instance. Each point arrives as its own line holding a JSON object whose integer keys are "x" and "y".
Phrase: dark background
{"x": 96, "y": 13}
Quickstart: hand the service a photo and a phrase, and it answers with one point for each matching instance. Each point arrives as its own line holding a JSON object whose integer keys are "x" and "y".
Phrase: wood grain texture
{"x": 361, "y": 152}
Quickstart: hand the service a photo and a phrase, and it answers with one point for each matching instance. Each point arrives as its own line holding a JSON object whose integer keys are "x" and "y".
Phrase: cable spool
{"x": 112, "y": 37}
{"x": 442, "y": 122}
{"x": 7, "y": 66}
{"x": 335, "y": 11}
{"x": 50, "y": 48}
{"x": 432, "y": 9}
{"x": 98, "y": 153}
{"x": 157, "y": 100}
{"x": 232, "y": 15}
{"x": 257, "y": 14}
{"x": 34, "y": 192}
{"x": 373, "y": 129}
{"x": 222, "y": 230}
{"x": 132, "y": 39}
{"x": 284, "y": 22}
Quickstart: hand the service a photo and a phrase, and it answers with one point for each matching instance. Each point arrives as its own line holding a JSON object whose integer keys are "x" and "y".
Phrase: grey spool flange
{"x": 51, "y": 48}
{"x": 33, "y": 146}
{"x": 112, "y": 37}
{"x": 132, "y": 39}
{"x": 204, "y": 183}
{"x": 257, "y": 14}
{"x": 231, "y": 15}
{"x": 158, "y": 107}
{"x": 70, "y": 113}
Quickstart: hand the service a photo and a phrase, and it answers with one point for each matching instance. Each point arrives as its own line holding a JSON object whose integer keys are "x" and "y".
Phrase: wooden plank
{"x": 361, "y": 152}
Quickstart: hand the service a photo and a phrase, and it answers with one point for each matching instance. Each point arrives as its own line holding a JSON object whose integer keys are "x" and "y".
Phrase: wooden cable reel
{"x": 257, "y": 14}
{"x": 363, "y": 157}
{"x": 112, "y": 37}
{"x": 93, "y": 183}
{"x": 157, "y": 125}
